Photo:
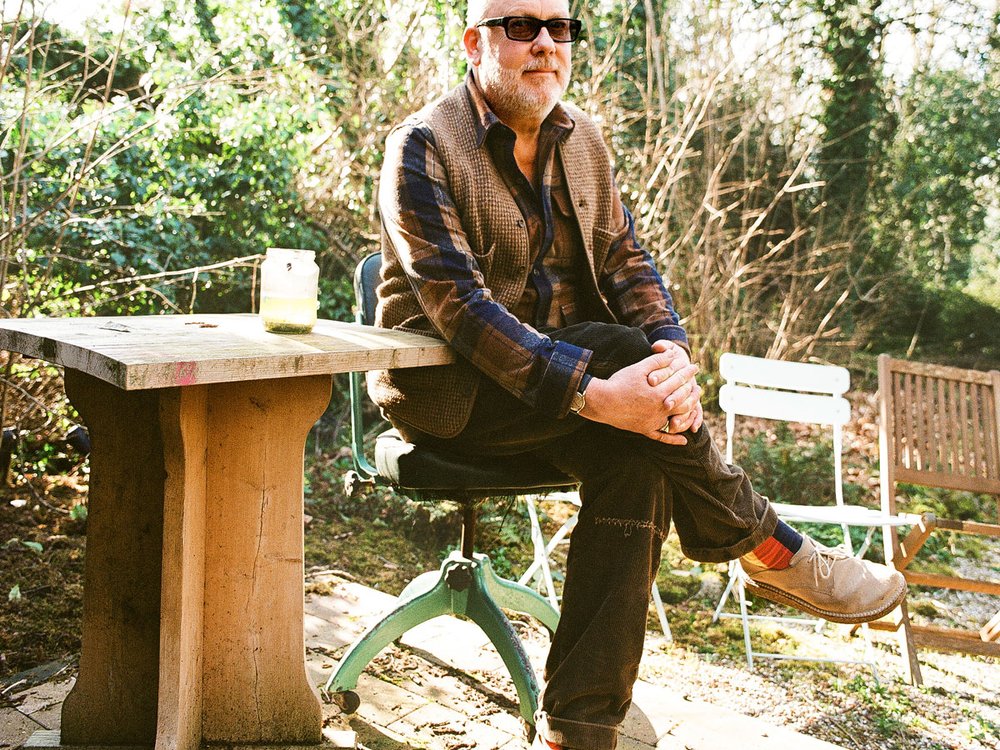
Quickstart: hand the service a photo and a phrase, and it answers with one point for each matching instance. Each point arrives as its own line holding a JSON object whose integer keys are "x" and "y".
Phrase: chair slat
{"x": 917, "y": 461}
{"x": 947, "y": 480}
{"x": 784, "y": 405}
{"x": 954, "y": 434}
{"x": 995, "y": 382}
{"x": 897, "y": 440}
{"x": 941, "y": 436}
{"x": 909, "y": 426}
{"x": 978, "y": 436}
{"x": 963, "y": 421}
{"x": 991, "y": 464}
{"x": 794, "y": 376}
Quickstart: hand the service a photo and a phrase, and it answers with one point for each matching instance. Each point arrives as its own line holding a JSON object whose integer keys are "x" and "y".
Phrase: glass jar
{"x": 289, "y": 290}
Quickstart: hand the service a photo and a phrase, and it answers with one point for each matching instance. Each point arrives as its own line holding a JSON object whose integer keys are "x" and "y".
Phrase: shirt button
{"x": 520, "y": 223}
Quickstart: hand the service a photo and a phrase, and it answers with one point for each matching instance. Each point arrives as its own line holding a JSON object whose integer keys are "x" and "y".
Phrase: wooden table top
{"x": 163, "y": 351}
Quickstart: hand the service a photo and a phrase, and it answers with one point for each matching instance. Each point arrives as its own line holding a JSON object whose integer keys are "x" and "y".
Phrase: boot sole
{"x": 782, "y": 597}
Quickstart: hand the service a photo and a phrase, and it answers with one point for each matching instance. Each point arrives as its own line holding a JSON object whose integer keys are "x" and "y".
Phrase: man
{"x": 504, "y": 233}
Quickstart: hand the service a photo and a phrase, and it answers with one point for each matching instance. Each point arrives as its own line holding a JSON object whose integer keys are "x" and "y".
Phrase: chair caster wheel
{"x": 348, "y": 701}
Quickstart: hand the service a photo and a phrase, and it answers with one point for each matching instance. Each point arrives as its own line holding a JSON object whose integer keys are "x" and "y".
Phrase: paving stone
{"x": 331, "y": 634}
{"x": 659, "y": 718}
{"x": 339, "y": 738}
{"x": 50, "y": 718}
{"x": 383, "y": 703}
{"x": 374, "y": 737}
{"x": 43, "y": 697}
{"x": 15, "y": 727}
{"x": 505, "y": 721}
{"x": 707, "y": 726}
{"x": 440, "y": 726}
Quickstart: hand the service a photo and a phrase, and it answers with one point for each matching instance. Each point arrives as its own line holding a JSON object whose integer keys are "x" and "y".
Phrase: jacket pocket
{"x": 601, "y": 240}
{"x": 484, "y": 259}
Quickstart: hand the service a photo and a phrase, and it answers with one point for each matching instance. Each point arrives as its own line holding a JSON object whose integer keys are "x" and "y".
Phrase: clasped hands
{"x": 657, "y": 397}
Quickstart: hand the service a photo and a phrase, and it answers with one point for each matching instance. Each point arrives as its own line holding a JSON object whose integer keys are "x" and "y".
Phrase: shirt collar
{"x": 485, "y": 120}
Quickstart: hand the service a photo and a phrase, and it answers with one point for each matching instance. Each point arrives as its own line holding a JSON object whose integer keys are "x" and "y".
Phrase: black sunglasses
{"x": 526, "y": 28}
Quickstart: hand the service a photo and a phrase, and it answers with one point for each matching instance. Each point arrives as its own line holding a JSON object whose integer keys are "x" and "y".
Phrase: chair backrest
{"x": 788, "y": 392}
{"x": 939, "y": 426}
{"x": 366, "y": 279}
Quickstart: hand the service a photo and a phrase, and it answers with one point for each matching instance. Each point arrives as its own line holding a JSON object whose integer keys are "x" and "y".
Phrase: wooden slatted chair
{"x": 939, "y": 428}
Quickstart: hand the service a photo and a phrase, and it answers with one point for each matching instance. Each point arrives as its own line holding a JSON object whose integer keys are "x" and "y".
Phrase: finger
{"x": 683, "y": 421}
{"x": 679, "y": 387}
{"x": 673, "y": 400}
{"x": 658, "y": 376}
{"x": 687, "y": 400}
{"x": 677, "y": 378}
{"x": 662, "y": 345}
{"x": 691, "y": 420}
{"x": 668, "y": 438}
{"x": 665, "y": 368}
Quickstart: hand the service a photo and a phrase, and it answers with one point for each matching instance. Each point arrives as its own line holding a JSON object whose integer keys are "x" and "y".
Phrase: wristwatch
{"x": 579, "y": 401}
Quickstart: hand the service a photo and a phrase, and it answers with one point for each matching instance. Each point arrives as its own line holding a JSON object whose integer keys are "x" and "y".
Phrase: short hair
{"x": 475, "y": 12}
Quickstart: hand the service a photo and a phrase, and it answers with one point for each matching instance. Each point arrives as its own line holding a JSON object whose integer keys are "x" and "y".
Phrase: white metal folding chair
{"x": 540, "y": 571}
{"x": 799, "y": 393}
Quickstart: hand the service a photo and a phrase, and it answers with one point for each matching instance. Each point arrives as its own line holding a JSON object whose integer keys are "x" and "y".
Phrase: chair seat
{"x": 852, "y": 515}
{"x": 418, "y": 468}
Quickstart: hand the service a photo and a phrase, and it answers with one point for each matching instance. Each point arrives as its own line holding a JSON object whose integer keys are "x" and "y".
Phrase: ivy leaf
{"x": 14, "y": 595}
{"x": 33, "y": 546}
{"x": 78, "y": 513}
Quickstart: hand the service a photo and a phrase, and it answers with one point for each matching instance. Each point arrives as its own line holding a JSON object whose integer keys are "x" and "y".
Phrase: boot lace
{"x": 826, "y": 558}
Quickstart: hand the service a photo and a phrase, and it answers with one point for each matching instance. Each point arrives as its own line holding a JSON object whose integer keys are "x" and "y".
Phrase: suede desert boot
{"x": 828, "y": 583}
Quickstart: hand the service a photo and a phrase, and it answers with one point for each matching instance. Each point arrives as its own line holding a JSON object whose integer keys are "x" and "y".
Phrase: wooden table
{"x": 193, "y": 585}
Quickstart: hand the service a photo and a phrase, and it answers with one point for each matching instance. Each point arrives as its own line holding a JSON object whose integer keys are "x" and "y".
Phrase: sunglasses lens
{"x": 559, "y": 30}
{"x": 523, "y": 29}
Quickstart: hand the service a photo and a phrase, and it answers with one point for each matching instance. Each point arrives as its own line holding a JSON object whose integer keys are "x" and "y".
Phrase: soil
{"x": 384, "y": 541}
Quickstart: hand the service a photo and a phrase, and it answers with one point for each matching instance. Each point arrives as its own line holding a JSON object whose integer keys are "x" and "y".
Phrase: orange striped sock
{"x": 777, "y": 550}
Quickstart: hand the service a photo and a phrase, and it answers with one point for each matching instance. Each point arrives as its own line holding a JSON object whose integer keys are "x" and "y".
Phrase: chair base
{"x": 466, "y": 587}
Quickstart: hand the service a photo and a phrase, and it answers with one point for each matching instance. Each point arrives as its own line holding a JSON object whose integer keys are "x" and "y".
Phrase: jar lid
{"x": 288, "y": 252}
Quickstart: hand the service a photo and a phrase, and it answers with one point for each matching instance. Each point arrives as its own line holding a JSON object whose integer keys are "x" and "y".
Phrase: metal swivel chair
{"x": 465, "y": 585}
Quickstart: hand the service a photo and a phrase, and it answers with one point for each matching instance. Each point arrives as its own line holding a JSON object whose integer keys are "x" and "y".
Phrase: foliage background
{"x": 818, "y": 180}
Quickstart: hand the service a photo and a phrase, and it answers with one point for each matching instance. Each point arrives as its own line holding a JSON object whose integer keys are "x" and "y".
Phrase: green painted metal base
{"x": 467, "y": 588}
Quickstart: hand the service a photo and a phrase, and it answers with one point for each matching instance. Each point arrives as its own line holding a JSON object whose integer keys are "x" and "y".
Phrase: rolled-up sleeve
{"x": 424, "y": 230}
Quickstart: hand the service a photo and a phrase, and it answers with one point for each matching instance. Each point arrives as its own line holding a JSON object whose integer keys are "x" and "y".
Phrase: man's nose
{"x": 544, "y": 42}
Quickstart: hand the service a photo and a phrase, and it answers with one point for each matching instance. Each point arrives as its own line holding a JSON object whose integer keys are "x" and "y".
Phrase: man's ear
{"x": 472, "y": 40}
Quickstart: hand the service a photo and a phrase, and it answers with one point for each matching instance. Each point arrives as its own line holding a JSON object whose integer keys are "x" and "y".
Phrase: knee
{"x": 619, "y": 346}
{"x": 633, "y": 493}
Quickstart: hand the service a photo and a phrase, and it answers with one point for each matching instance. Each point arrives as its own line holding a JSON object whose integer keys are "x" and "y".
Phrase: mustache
{"x": 540, "y": 65}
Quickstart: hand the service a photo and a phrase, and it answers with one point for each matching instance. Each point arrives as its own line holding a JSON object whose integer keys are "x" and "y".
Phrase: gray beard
{"x": 507, "y": 97}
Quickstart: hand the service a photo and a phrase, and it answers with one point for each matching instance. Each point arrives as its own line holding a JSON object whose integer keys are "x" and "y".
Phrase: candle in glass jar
{"x": 289, "y": 290}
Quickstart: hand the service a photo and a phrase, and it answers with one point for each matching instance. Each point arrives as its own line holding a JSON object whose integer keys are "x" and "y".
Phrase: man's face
{"x": 521, "y": 79}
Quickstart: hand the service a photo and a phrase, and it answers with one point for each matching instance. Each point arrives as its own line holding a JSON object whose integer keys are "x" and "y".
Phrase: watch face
{"x": 577, "y": 403}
